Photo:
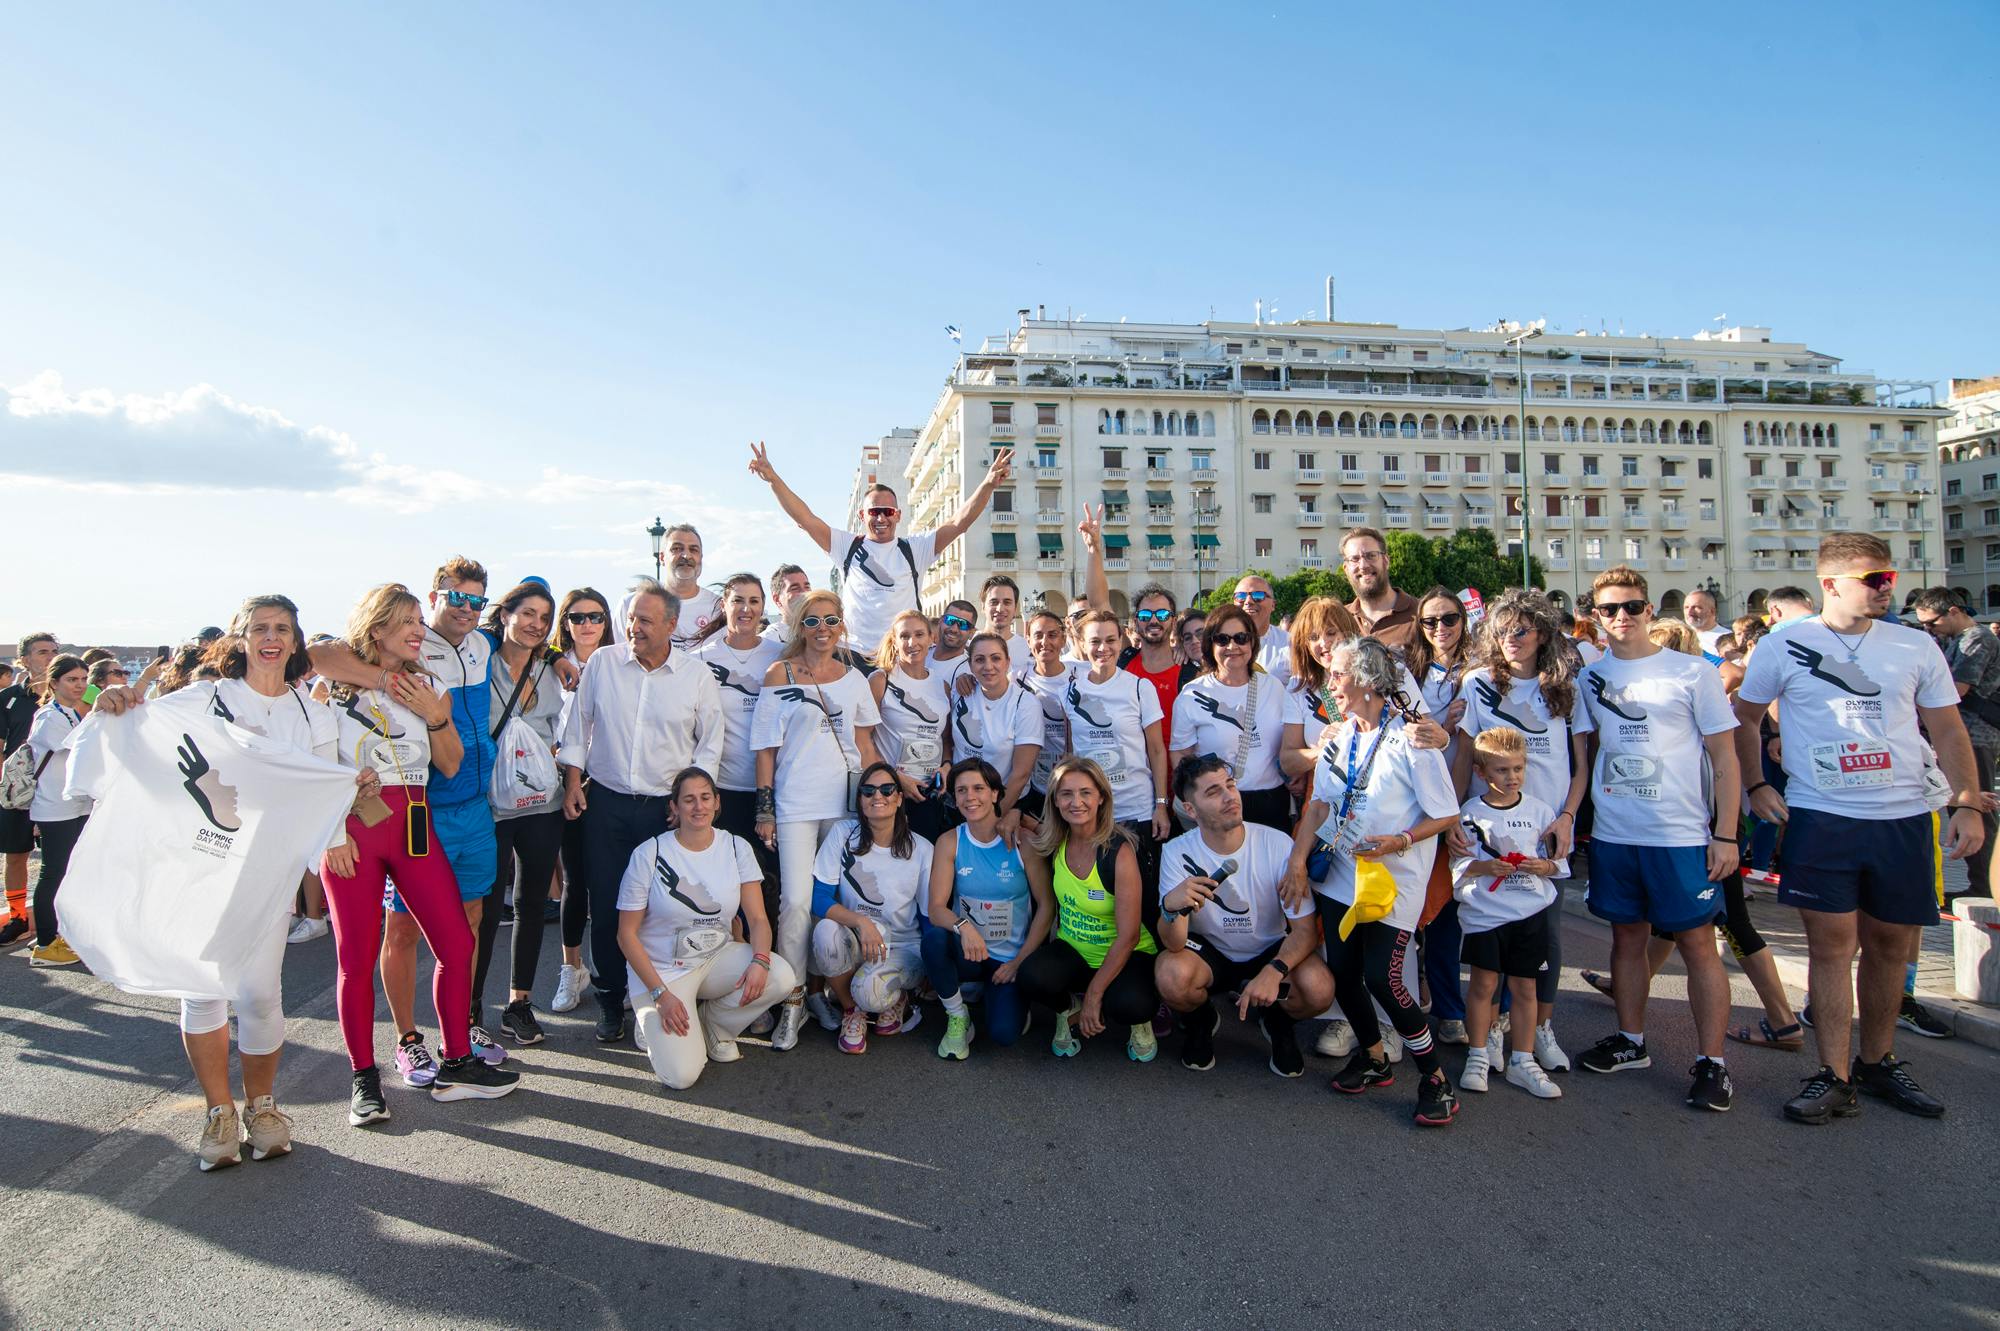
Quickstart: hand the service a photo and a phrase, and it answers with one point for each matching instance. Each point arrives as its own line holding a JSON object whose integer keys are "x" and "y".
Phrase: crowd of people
{"x": 758, "y": 807}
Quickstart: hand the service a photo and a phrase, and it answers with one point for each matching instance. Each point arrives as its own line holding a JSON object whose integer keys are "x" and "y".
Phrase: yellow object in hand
{"x": 1374, "y": 896}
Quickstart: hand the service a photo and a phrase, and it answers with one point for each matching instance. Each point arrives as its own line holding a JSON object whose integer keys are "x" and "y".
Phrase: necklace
{"x": 1852, "y": 652}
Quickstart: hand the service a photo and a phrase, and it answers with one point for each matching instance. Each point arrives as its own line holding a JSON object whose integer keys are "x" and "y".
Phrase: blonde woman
{"x": 915, "y": 732}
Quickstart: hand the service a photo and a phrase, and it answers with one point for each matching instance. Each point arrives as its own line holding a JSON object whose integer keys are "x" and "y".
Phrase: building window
{"x": 1114, "y": 458}
{"x": 1634, "y": 548}
{"x": 1003, "y": 413}
{"x": 1350, "y": 462}
{"x": 1989, "y": 516}
{"x": 1917, "y": 550}
{"x": 1307, "y": 461}
{"x": 1628, "y": 466}
{"x": 1045, "y": 457}
{"x": 1263, "y": 547}
{"x": 1590, "y": 464}
{"x": 1511, "y": 463}
{"x": 1552, "y": 464}
{"x": 1392, "y": 462}
{"x": 1260, "y": 503}
{"x": 1201, "y": 461}
{"x": 1593, "y": 547}
{"x": 1791, "y": 467}
{"x": 1707, "y": 510}
{"x": 1704, "y": 468}
{"x": 1045, "y": 413}
{"x": 1989, "y": 481}
{"x": 1475, "y": 464}
{"x": 1954, "y": 487}
{"x": 1434, "y": 462}
{"x": 1667, "y": 468}
{"x": 1309, "y": 547}
{"x": 1756, "y": 466}
{"x": 1156, "y": 462}
{"x": 1260, "y": 461}
{"x": 1003, "y": 501}
{"x": 1956, "y": 556}
{"x": 1952, "y": 521}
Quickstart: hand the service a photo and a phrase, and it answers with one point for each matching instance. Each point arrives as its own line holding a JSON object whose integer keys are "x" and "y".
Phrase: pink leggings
{"x": 355, "y": 906}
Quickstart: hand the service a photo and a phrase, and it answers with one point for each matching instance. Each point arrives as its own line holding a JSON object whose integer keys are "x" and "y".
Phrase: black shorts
{"x": 1887, "y": 868}
{"x": 1518, "y": 949}
{"x": 1031, "y": 803}
{"x": 1271, "y": 807}
{"x": 1229, "y": 976}
{"x": 17, "y": 832}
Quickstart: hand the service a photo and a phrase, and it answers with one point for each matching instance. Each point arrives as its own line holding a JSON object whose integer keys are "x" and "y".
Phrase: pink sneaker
{"x": 854, "y": 1031}
{"x": 903, "y": 1016}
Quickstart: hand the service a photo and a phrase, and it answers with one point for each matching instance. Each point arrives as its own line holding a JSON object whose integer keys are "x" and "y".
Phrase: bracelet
{"x": 767, "y": 804}
{"x": 439, "y": 726}
{"x": 1566, "y": 813}
{"x": 1722, "y": 840}
{"x": 962, "y": 922}
{"x": 1964, "y": 808}
{"x": 1761, "y": 785}
{"x": 1159, "y": 801}
{"x": 761, "y": 959}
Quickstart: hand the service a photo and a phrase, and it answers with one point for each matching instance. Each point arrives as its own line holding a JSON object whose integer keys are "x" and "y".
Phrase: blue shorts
{"x": 1887, "y": 868}
{"x": 1664, "y": 886}
{"x": 464, "y": 832}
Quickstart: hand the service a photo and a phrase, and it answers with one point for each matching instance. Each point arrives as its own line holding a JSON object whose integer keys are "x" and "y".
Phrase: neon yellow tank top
{"x": 1086, "y": 915}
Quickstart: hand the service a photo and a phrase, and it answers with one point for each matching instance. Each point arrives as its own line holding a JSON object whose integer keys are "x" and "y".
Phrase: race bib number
{"x": 1851, "y": 765}
{"x": 695, "y": 943}
{"x": 399, "y": 760}
{"x": 993, "y": 919}
{"x": 1630, "y": 776}
{"x": 1111, "y": 760}
{"x": 921, "y": 755}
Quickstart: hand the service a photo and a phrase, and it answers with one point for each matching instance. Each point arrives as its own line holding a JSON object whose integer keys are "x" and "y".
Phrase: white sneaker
{"x": 1527, "y": 1074}
{"x": 1392, "y": 1045}
{"x": 1336, "y": 1041}
{"x": 571, "y": 983}
{"x": 1496, "y": 1042}
{"x": 1476, "y": 1070}
{"x": 306, "y": 928}
{"x": 1547, "y": 1052}
{"x": 823, "y": 1011}
{"x": 791, "y": 1016}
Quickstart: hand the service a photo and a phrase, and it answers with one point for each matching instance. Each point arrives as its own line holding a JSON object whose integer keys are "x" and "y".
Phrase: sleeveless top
{"x": 1086, "y": 915}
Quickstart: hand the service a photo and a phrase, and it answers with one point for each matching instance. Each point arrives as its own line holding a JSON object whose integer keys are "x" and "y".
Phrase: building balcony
{"x": 1038, "y": 471}
{"x": 1673, "y": 565}
{"x": 1205, "y": 517}
{"x": 1048, "y": 432}
{"x": 999, "y": 431}
{"x": 1051, "y": 560}
{"x": 1397, "y": 517}
{"x": 1802, "y": 563}
{"x": 1883, "y": 447}
{"x": 1117, "y": 473}
{"x": 1308, "y": 476}
{"x": 1049, "y": 517}
{"x": 1631, "y": 482}
{"x": 1555, "y": 480}
{"x": 1354, "y": 478}
{"x": 1201, "y": 474}
{"x": 1833, "y": 484}
{"x": 1436, "y": 479}
{"x": 1005, "y": 563}
{"x": 1914, "y": 447}
{"x": 1557, "y": 523}
{"x": 1513, "y": 522}
{"x": 1837, "y": 524}
{"x": 1796, "y": 484}
{"x": 1636, "y": 521}
{"x": 1475, "y": 480}
{"x": 1673, "y": 482}
{"x": 1760, "y": 483}
{"x": 1000, "y": 519}
{"x": 1596, "y": 565}
{"x": 1673, "y": 522}
{"x": 1597, "y": 522}
{"x": 1760, "y": 522}
{"x": 1885, "y": 485}
{"x": 1115, "y": 517}
{"x": 1117, "y": 563}
{"x": 1807, "y": 523}
{"x": 1510, "y": 480}
{"x": 1395, "y": 478}
{"x": 1437, "y": 522}
{"x": 1641, "y": 564}
{"x": 1763, "y": 563}
{"x": 1312, "y": 561}
{"x": 1593, "y": 480}
{"x": 1556, "y": 564}
{"x": 1479, "y": 517}
{"x": 1159, "y": 517}
{"x": 1159, "y": 563}
{"x": 1311, "y": 519}
{"x": 1159, "y": 473}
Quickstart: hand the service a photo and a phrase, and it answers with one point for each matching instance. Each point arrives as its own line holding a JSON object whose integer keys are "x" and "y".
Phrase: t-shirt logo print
{"x": 1615, "y": 701}
{"x": 215, "y": 797}
{"x": 1076, "y": 703}
{"x": 1214, "y": 709}
{"x": 1847, "y": 676}
{"x": 966, "y": 722}
{"x": 916, "y": 709}
{"x": 728, "y": 679}
{"x": 672, "y": 882}
{"x": 353, "y": 709}
{"x": 854, "y": 875}
{"x": 1489, "y": 698}
{"x": 790, "y": 694}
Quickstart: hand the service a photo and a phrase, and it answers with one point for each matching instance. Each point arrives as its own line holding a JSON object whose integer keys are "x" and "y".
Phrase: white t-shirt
{"x": 1651, "y": 779}
{"x": 992, "y": 728}
{"x": 1587, "y": 650}
{"x": 915, "y": 713}
{"x": 876, "y": 884}
{"x": 1048, "y": 691}
{"x": 812, "y": 727}
{"x": 1107, "y": 724}
{"x": 1852, "y": 746}
{"x": 948, "y": 670}
{"x": 379, "y": 732}
{"x": 291, "y": 718}
{"x": 1247, "y": 915}
{"x": 48, "y": 736}
{"x": 1709, "y": 637}
{"x": 739, "y": 675}
{"x": 1403, "y": 787}
{"x": 1526, "y": 710}
{"x": 696, "y": 612}
{"x": 1483, "y": 904}
{"x": 1018, "y": 655}
{"x": 1274, "y": 652}
{"x": 877, "y": 586}
{"x": 1213, "y": 717}
{"x": 689, "y": 896}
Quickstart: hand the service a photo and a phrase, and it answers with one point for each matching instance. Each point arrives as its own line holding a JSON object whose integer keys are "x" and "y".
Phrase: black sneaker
{"x": 366, "y": 1104}
{"x": 1825, "y": 1098}
{"x": 1198, "y": 1038}
{"x": 1615, "y": 1053}
{"x": 1711, "y": 1088}
{"x": 13, "y": 930}
{"x": 1919, "y": 1019}
{"x": 472, "y": 1078}
{"x": 1437, "y": 1102}
{"x": 1890, "y": 1080}
{"x": 1805, "y": 1016}
{"x": 1362, "y": 1073}
{"x": 518, "y": 1020}
{"x": 610, "y": 1027}
{"x": 1283, "y": 1034}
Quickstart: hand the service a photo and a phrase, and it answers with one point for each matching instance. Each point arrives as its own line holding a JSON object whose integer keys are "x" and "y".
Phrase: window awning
{"x": 1116, "y": 497}
{"x": 1050, "y": 540}
{"x": 1395, "y": 500}
{"x": 1116, "y": 540}
{"x": 1207, "y": 540}
{"x": 1160, "y": 498}
{"x": 1003, "y": 543}
{"x": 1437, "y": 501}
{"x": 1159, "y": 540}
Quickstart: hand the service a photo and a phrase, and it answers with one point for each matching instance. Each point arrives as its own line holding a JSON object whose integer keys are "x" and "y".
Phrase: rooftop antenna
{"x": 1260, "y": 312}
{"x": 1329, "y": 297}
{"x": 1719, "y": 320}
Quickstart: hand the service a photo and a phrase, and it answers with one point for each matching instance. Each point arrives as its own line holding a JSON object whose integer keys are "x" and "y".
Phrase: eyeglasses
{"x": 1145, "y": 616}
{"x": 1451, "y": 619}
{"x": 1365, "y": 557}
{"x": 880, "y": 512}
{"x": 814, "y": 621}
{"x": 1610, "y": 608}
{"x": 586, "y": 616}
{"x": 1519, "y": 631}
{"x": 1252, "y": 598}
{"x": 464, "y": 601}
{"x": 955, "y": 622}
{"x": 886, "y": 790}
{"x": 1236, "y": 639}
{"x": 1877, "y": 579}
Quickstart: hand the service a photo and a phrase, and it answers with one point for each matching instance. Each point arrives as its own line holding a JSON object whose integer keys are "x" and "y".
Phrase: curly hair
{"x": 1555, "y": 666}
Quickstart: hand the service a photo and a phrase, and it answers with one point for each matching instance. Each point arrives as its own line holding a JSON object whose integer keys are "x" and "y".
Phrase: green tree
{"x": 1412, "y": 561}
{"x": 1472, "y": 558}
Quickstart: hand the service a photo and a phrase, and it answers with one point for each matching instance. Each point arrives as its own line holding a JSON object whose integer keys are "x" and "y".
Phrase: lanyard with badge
{"x": 1345, "y": 838}
{"x": 417, "y": 825}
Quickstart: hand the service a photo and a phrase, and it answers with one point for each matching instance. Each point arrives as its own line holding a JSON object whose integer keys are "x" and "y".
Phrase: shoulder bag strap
{"x": 507, "y": 712}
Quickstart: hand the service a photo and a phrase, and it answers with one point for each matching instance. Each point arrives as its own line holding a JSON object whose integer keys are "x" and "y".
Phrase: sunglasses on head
{"x": 814, "y": 621}
{"x": 1877, "y": 579}
{"x": 1252, "y": 598}
{"x": 464, "y": 600}
{"x": 1075, "y": 615}
{"x": 1144, "y": 616}
{"x": 955, "y": 622}
{"x": 1236, "y": 639}
{"x": 586, "y": 616}
{"x": 880, "y": 512}
{"x": 885, "y": 790}
{"x": 1450, "y": 619}
{"x": 1610, "y": 608}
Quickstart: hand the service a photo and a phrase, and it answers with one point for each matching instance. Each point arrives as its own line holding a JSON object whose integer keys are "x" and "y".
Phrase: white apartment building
{"x": 1969, "y": 463}
{"x": 884, "y": 461}
{"x": 1713, "y": 461}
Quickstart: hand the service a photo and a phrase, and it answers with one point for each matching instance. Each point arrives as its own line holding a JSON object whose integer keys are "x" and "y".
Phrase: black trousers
{"x": 534, "y": 841}
{"x": 576, "y": 885}
{"x": 58, "y": 841}
{"x": 1368, "y": 963}
{"x": 739, "y": 815}
{"x": 1055, "y": 973}
{"x": 1272, "y": 808}
{"x": 613, "y": 826}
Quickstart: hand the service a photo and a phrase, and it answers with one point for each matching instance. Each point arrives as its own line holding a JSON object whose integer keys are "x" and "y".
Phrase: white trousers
{"x": 712, "y": 993}
{"x": 259, "y": 1001}
{"x": 836, "y": 950}
{"x": 798, "y": 847}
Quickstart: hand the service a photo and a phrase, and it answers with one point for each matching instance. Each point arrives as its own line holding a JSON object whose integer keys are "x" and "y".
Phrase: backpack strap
{"x": 916, "y": 578}
{"x": 853, "y": 553}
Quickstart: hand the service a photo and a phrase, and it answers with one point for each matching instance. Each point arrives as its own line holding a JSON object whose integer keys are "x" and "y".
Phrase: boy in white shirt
{"x": 1507, "y": 907}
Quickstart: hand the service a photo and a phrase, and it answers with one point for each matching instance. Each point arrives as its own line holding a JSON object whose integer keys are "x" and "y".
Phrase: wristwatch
{"x": 653, "y": 994}
{"x": 1278, "y": 964}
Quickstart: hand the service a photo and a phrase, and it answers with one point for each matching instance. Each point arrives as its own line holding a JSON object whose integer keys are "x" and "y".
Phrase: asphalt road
{"x": 1015, "y": 1190}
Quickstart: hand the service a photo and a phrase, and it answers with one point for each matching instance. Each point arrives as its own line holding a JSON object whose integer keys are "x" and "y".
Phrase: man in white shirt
{"x": 881, "y": 573}
{"x": 1699, "y": 608}
{"x": 1254, "y": 597}
{"x": 1788, "y": 603}
{"x": 642, "y": 712}
{"x": 1002, "y": 596}
{"x": 699, "y": 604}
{"x": 788, "y": 583}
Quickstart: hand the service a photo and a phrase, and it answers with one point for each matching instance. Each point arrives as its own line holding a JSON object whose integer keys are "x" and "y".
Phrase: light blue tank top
{"x": 991, "y": 890}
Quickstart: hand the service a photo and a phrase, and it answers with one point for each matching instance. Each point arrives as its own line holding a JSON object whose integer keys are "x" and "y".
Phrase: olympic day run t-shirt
{"x": 378, "y": 732}
{"x": 877, "y": 586}
{"x": 1213, "y": 717}
{"x": 1484, "y": 901}
{"x": 1523, "y": 708}
{"x": 689, "y": 897}
{"x": 992, "y": 728}
{"x": 1404, "y": 786}
{"x": 740, "y": 677}
{"x": 990, "y": 888}
{"x": 1246, "y": 916}
{"x": 876, "y": 884}
{"x": 696, "y": 613}
{"x": 1848, "y": 707}
{"x": 915, "y": 713}
{"x": 1048, "y": 691}
{"x": 1651, "y": 715}
{"x": 812, "y": 727}
{"x": 1107, "y": 724}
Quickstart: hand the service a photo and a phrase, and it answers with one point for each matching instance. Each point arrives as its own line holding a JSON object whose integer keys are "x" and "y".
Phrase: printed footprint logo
{"x": 1616, "y": 700}
{"x": 672, "y": 882}
{"x": 216, "y": 798}
{"x": 860, "y": 877}
{"x": 1489, "y": 698}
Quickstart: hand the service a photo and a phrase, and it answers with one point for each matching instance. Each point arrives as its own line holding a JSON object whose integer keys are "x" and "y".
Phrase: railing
{"x": 1005, "y": 563}
{"x": 1761, "y": 483}
{"x": 1354, "y": 478}
{"x": 1796, "y": 483}
{"x": 999, "y": 431}
{"x": 1475, "y": 479}
{"x": 1438, "y": 521}
{"x": 1201, "y": 473}
{"x": 1116, "y": 563}
{"x": 1556, "y": 523}
{"x": 1593, "y": 480}
{"x": 1638, "y": 563}
{"x": 1001, "y": 519}
{"x": 1833, "y": 483}
{"x": 1048, "y": 431}
{"x": 1437, "y": 478}
{"x": 1308, "y": 476}
{"x": 1556, "y": 564}
{"x": 1038, "y": 471}
{"x": 1115, "y": 517}
{"x": 1312, "y": 561}
{"x": 1674, "y": 565}
{"x": 1395, "y": 478}
{"x": 1396, "y": 517}
{"x": 1673, "y": 482}
{"x": 1049, "y": 517}
{"x": 1763, "y": 563}
{"x": 1159, "y": 517}
{"x": 1636, "y": 521}
{"x": 1311, "y": 519}
{"x": 1117, "y": 473}
{"x": 1807, "y": 523}
{"x": 1159, "y": 473}
{"x": 1160, "y": 563}
{"x": 1597, "y": 522}
{"x": 1673, "y": 522}
{"x": 1555, "y": 480}
{"x": 1631, "y": 482}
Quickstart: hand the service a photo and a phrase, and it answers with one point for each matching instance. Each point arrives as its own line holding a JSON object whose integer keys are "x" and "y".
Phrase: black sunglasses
{"x": 1236, "y": 639}
{"x": 1610, "y": 608}
{"x": 886, "y": 789}
{"x": 586, "y": 616}
{"x": 1451, "y": 619}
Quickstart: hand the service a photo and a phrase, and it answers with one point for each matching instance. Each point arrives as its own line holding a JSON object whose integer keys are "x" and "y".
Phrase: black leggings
{"x": 739, "y": 815}
{"x": 1272, "y": 808}
{"x": 576, "y": 892}
{"x": 1055, "y": 973}
{"x": 58, "y": 840}
{"x": 1369, "y": 964}
{"x": 534, "y": 840}
{"x": 1734, "y": 921}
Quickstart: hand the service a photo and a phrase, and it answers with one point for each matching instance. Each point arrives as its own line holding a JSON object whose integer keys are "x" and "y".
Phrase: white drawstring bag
{"x": 524, "y": 771}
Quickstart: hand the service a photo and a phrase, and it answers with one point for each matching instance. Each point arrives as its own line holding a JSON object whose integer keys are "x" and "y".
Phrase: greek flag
{"x": 951, "y": 331}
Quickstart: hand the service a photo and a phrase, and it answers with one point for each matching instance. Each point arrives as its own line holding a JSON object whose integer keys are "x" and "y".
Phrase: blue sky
{"x": 425, "y": 258}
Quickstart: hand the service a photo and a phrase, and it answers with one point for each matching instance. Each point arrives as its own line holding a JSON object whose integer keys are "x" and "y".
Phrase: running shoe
{"x": 366, "y": 1105}
{"x": 1496, "y": 1043}
{"x": 571, "y": 982}
{"x": 472, "y": 1078}
{"x": 720, "y": 1049}
{"x": 1392, "y": 1045}
{"x": 957, "y": 1041}
{"x": 1437, "y": 1104}
{"x": 791, "y": 1016}
{"x": 1919, "y": 1019}
{"x": 1198, "y": 1038}
{"x": 610, "y": 1026}
{"x": 853, "y": 1032}
{"x": 1530, "y": 1076}
{"x": 57, "y": 953}
{"x": 267, "y": 1129}
{"x": 1549, "y": 1055}
{"x": 1064, "y": 1044}
{"x": 822, "y": 1009}
{"x": 518, "y": 1020}
{"x": 221, "y": 1139}
{"x": 414, "y": 1061}
{"x": 1336, "y": 1041}
{"x": 1805, "y": 1016}
{"x": 1363, "y": 1073}
{"x": 903, "y": 1015}
{"x": 1282, "y": 1033}
{"x": 1825, "y": 1098}
{"x": 13, "y": 931}
{"x": 766, "y": 1019}
{"x": 1163, "y": 1019}
{"x": 1711, "y": 1088}
{"x": 485, "y": 1047}
{"x": 1451, "y": 1032}
{"x": 1478, "y": 1068}
{"x": 1615, "y": 1053}
{"x": 1890, "y": 1080}
{"x": 306, "y": 928}
{"x": 1142, "y": 1046}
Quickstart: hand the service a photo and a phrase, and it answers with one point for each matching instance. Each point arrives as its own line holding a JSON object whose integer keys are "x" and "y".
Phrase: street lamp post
{"x": 658, "y": 531}
{"x": 1517, "y": 341}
